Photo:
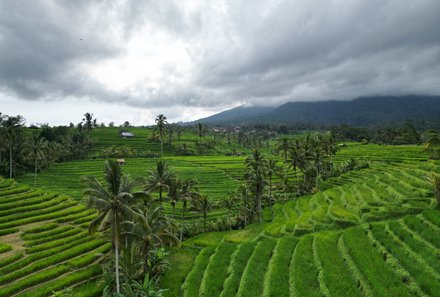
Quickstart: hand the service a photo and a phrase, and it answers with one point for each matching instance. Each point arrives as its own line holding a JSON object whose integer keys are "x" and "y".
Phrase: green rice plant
{"x": 236, "y": 268}
{"x": 424, "y": 279}
{"x": 391, "y": 260}
{"x": 251, "y": 283}
{"x": 48, "y": 202}
{"x": 277, "y": 279}
{"x": 422, "y": 229}
{"x": 303, "y": 272}
{"x": 27, "y": 204}
{"x": 424, "y": 250}
{"x": 49, "y": 261}
{"x": 334, "y": 271}
{"x": 57, "y": 231}
{"x": 432, "y": 216}
{"x": 38, "y": 212}
{"x": 49, "y": 257}
{"x": 70, "y": 279}
{"x": 6, "y": 261}
{"x": 191, "y": 285}
{"x": 4, "y": 247}
{"x": 381, "y": 277}
{"x": 8, "y": 231}
{"x": 216, "y": 271}
{"x": 39, "y": 229}
{"x": 57, "y": 242}
{"x": 43, "y": 217}
{"x": 182, "y": 258}
{"x": 15, "y": 190}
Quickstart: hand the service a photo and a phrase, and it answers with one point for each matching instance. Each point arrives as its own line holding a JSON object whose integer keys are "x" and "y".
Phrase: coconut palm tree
{"x": 35, "y": 149}
{"x": 434, "y": 179}
{"x": 88, "y": 121}
{"x": 11, "y": 129}
{"x": 190, "y": 193}
{"x": 174, "y": 192}
{"x": 150, "y": 229}
{"x": 114, "y": 201}
{"x": 256, "y": 179}
{"x": 159, "y": 178}
{"x": 272, "y": 169}
{"x": 161, "y": 123}
{"x": 204, "y": 205}
{"x": 282, "y": 146}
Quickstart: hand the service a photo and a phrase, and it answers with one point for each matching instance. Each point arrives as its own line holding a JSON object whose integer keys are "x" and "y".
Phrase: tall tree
{"x": 35, "y": 149}
{"x": 190, "y": 193}
{"x": 174, "y": 192}
{"x": 12, "y": 129}
{"x": 88, "y": 121}
{"x": 161, "y": 125}
{"x": 200, "y": 131}
{"x": 256, "y": 179}
{"x": 434, "y": 179}
{"x": 151, "y": 229}
{"x": 272, "y": 169}
{"x": 159, "y": 178}
{"x": 204, "y": 205}
{"x": 114, "y": 201}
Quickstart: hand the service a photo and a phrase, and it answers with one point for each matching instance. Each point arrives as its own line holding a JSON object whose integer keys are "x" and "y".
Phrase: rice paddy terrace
{"x": 45, "y": 244}
{"x": 372, "y": 232}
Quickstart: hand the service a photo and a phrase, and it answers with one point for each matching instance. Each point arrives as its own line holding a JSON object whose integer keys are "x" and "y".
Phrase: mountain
{"x": 237, "y": 115}
{"x": 362, "y": 112}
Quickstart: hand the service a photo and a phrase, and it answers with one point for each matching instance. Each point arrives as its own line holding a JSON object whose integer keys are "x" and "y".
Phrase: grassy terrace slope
{"x": 372, "y": 232}
{"x": 217, "y": 175}
{"x": 49, "y": 245}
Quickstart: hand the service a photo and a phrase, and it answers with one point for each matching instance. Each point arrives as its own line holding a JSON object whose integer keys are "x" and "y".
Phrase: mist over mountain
{"x": 362, "y": 112}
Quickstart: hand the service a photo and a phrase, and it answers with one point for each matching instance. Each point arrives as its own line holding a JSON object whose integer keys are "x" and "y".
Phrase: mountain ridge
{"x": 361, "y": 111}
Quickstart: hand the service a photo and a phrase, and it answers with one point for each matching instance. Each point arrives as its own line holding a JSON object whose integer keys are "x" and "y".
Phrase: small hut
{"x": 121, "y": 162}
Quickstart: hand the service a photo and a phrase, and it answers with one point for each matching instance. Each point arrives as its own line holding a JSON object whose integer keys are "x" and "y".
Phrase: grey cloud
{"x": 260, "y": 52}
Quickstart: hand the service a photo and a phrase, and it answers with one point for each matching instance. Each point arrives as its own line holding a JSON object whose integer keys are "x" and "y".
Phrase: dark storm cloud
{"x": 261, "y": 52}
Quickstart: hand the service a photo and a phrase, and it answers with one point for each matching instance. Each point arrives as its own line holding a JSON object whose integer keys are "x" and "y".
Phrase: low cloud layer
{"x": 210, "y": 55}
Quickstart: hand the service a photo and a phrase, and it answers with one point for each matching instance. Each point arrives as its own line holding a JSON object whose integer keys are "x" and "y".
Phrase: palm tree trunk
{"x": 204, "y": 221}
{"x": 116, "y": 239}
{"x": 35, "y": 172}
{"x": 181, "y": 227}
{"x": 10, "y": 160}
{"x": 117, "y": 266}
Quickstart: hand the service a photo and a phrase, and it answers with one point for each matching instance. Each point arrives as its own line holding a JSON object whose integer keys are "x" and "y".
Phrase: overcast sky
{"x": 131, "y": 60}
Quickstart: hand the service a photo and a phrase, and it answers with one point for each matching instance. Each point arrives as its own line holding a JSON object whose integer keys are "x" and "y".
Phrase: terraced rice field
{"x": 392, "y": 258}
{"x": 49, "y": 245}
{"x": 372, "y": 232}
{"x": 218, "y": 176}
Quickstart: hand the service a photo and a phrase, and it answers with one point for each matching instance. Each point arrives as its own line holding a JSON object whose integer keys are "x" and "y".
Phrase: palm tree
{"x": 256, "y": 178}
{"x": 12, "y": 128}
{"x": 159, "y": 178}
{"x": 434, "y": 179}
{"x": 35, "y": 148}
{"x": 114, "y": 201}
{"x": 204, "y": 205}
{"x": 151, "y": 229}
{"x": 272, "y": 168}
{"x": 432, "y": 143}
{"x": 190, "y": 193}
{"x": 88, "y": 121}
{"x": 282, "y": 147}
{"x": 200, "y": 131}
{"x": 161, "y": 123}
{"x": 174, "y": 192}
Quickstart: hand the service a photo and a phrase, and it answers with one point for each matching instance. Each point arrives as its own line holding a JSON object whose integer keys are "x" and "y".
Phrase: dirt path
{"x": 15, "y": 240}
